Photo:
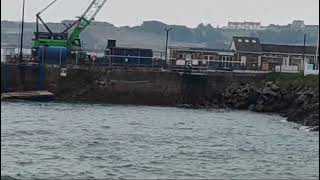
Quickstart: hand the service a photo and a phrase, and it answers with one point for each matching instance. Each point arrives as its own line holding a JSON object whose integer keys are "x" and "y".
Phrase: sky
{"x": 180, "y": 12}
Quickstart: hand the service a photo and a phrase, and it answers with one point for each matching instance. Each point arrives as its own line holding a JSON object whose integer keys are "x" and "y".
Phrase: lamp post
{"x": 22, "y": 27}
{"x": 317, "y": 51}
{"x": 167, "y": 29}
{"x": 304, "y": 50}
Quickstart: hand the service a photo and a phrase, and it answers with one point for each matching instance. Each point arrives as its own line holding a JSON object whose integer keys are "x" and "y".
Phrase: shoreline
{"x": 294, "y": 96}
{"x": 179, "y": 106}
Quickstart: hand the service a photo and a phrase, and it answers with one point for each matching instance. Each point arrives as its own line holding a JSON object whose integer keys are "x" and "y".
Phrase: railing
{"x": 311, "y": 69}
{"x": 287, "y": 69}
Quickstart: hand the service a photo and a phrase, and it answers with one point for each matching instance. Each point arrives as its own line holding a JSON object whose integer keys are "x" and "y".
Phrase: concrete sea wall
{"x": 291, "y": 95}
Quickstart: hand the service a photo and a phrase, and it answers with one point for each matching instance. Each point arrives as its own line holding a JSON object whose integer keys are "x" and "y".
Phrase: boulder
{"x": 315, "y": 128}
{"x": 312, "y": 120}
{"x": 274, "y": 87}
{"x": 312, "y": 107}
{"x": 252, "y": 107}
{"x": 300, "y": 100}
{"x": 296, "y": 115}
{"x": 268, "y": 91}
{"x": 241, "y": 105}
{"x": 259, "y": 108}
{"x": 269, "y": 84}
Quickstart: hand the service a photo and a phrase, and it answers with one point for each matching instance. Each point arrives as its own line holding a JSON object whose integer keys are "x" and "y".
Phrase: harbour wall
{"x": 125, "y": 86}
{"x": 292, "y": 95}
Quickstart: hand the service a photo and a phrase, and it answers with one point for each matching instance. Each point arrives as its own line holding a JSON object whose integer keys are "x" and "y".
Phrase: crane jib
{"x": 85, "y": 20}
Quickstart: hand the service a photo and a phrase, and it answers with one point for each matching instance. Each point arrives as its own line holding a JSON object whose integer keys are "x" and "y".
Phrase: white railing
{"x": 311, "y": 69}
{"x": 287, "y": 69}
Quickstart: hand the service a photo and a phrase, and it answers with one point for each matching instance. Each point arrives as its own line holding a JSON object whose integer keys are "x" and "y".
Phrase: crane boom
{"x": 84, "y": 21}
{"x": 93, "y": 9}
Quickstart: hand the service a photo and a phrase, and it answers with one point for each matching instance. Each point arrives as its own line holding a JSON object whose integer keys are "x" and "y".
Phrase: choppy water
{"x": 69, "y": 141}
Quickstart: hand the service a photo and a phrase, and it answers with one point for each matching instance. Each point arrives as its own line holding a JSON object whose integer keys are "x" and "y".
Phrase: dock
{"x": 28, "y": 95}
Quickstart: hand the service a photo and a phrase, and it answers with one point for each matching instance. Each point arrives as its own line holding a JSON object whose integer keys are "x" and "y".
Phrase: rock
{"x": 240, "y": 105}
{"x": 312, "y": 120}
{"x": 268, "y": 91}
{"x": 309, "y": 92}
{"x": 264, "y": 98}
{"x": 312, "y": 107}
{"x": 289, "y": 97}
{"x": 315, "y": 128}
{"x": 269, "y": 84}
{"x": 252, "y": 107}
{"x": 296, "y": 115}
{"x": 259, "y": 108}
{"x": 268, "y": 108}
{"x": 274, "y": 87}
{"x": 245, "y": 90}
{"x": 280, "y": 106}
{"x": 297, "y": 102}
{"x": 300, "y": 100}
{"x": 252, "y": 98}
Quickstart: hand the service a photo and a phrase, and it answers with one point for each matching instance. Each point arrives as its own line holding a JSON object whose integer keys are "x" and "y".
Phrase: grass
{"x": 283, "y": 80}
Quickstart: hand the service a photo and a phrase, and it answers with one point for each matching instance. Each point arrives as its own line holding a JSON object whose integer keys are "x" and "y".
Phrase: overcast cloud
{"x": 183, "y": 12}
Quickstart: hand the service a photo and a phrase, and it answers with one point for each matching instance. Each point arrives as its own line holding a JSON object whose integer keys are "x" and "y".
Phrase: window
{"x": 239, "y": 40}
{"x": 247, "y": 40}
{"x": 254, "y": 41}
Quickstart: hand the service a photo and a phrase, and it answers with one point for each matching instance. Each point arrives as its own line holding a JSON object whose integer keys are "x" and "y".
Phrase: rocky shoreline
{"x": 293, "y": 96}
{"x": 298, "y": 103}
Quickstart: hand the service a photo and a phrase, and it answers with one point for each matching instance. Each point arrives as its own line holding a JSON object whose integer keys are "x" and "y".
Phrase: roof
{"x": 256, "y": 23}
{"x": 199, "y": 49}
{"x": 247, "y": 44}
{"x": 129, "y": 48}
{"x": 293, "y": 49}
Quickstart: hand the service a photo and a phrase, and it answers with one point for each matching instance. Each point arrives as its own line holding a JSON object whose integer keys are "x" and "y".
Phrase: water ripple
{"x": 85, "y": 141}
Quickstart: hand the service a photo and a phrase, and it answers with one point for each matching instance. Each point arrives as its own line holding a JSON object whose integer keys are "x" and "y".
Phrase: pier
{"x": 28, "y": 95}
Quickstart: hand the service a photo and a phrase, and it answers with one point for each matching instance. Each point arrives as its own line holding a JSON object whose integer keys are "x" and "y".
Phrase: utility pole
{"x": 317, "y": 52}
{"x": 22, "y": 27}
{"x": 304, "y": 49}
{"x": 167, "y": 29}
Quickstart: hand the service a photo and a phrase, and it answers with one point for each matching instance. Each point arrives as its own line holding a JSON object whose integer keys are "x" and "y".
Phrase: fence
{"x": 287, "y": 69}
{"x": 311, "y": 69}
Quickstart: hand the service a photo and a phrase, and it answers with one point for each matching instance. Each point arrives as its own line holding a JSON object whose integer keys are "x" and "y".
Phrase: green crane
{"x": 71, "y": 41}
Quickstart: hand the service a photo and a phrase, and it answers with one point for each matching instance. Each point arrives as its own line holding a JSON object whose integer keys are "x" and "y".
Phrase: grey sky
{"x": 183, "y": 12}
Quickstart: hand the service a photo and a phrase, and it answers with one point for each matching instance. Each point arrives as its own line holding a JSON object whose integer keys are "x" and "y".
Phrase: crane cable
{"x": 47, "y": 7}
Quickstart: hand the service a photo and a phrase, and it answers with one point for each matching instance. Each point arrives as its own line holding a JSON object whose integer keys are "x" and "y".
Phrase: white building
{"x": 244, "y": 25}
{"x": 297, "y": 24}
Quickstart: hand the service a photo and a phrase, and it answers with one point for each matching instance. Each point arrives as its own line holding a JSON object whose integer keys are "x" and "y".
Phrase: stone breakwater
{"x": 299, "y": 103}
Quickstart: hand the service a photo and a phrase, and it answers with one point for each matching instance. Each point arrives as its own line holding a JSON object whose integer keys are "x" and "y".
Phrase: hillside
{"x": 151, "y": 35}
